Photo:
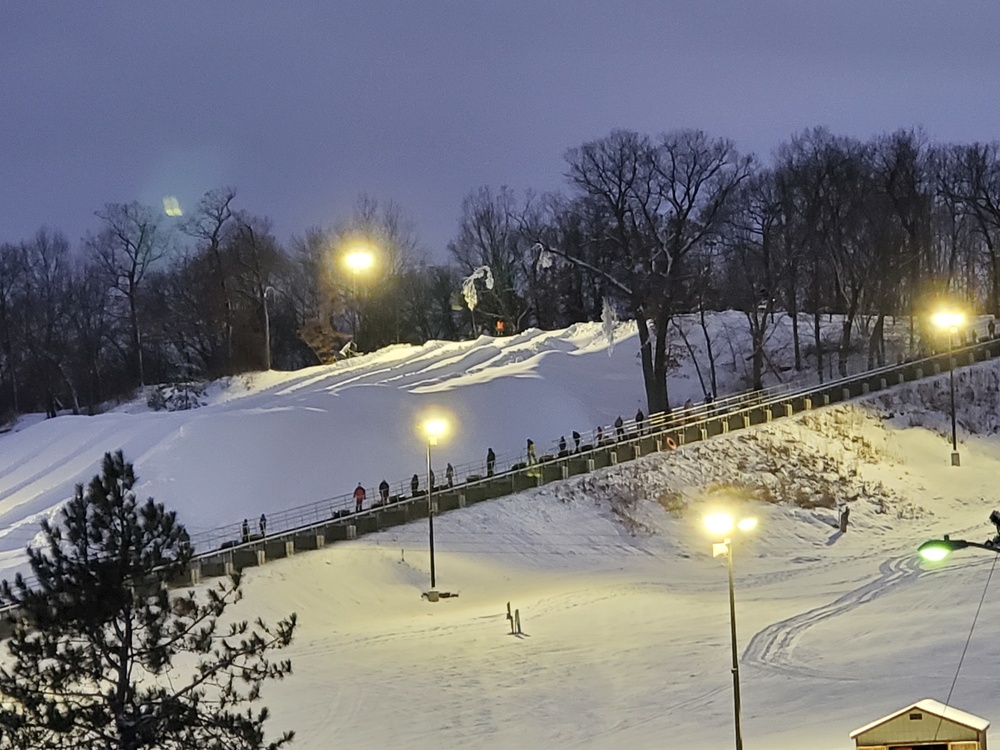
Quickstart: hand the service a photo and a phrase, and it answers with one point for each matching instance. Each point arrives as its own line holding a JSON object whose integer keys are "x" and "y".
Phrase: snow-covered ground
{"x": 624, "y": 610}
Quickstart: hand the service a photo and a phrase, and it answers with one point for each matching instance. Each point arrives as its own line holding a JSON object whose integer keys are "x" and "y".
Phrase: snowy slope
{"x": 624, "y": 609}
{"x": 627, "y": 638}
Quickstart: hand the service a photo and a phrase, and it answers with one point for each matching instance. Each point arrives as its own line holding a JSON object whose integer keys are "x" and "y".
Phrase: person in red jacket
{"x": 359, "y": 498}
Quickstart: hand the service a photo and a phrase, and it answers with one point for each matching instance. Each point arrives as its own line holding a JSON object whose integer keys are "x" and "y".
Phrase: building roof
{"x": 935, "y": 708}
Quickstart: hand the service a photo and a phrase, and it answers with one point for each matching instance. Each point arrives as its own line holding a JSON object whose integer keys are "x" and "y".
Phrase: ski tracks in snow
{"x": 773, "y": 648}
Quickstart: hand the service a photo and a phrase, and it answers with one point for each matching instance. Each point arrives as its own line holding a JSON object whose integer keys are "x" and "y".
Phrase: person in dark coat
{"x": 531, "y": 452}
{"x": 576, "y": 440}
{"x": 415, "y": 484}
{"x": 383, "y": 491}
{"x": 491, "y": 462}
{"x": 620, "y": 428}
{"x": 449, "y": 474}
{"x": 599, "y": 435}
{"x": 991, "y": 328}
{"x": 262, "y": 524}
{"x": 639, "y": 417}
{"x": 359, "y": 498}
{"x": 246, "y": 530}
{"x": 562, "y": 445}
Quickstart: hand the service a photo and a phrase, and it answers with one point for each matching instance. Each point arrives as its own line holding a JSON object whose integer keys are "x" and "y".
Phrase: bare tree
{"x": 12, "y": 270}
{"x": 490, "y": 235}
{"x": 258, "y": 262}
{"x": 666, "y": 203}
{"x": 45, "y": 323}
{"x": 212, "y": 225}
{"x": 131, "y": 242}
{"x": 750, "y": 250}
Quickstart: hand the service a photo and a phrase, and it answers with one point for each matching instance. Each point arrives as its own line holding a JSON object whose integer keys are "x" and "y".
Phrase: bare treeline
{"x": 656, "y": 227}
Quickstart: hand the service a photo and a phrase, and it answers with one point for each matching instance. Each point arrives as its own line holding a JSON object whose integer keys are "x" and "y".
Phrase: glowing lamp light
{"x": 723, "y": 524}
{"x": 359, "y": 260}
{"x": 934, "y": 552}
{"x": 719, "y": 523}
{"x": 435, "y": 428}
{"x": 937, "y": 550}
{"x": 747, "y": 524}
{"x": 948, "y": 320}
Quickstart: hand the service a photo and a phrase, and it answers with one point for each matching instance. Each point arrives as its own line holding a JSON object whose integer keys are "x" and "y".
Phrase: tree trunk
{"x": 757, "y": 341}
{"x": 653, "y": 399}
{"x": 845, "y": 344}
{"x": 654, "y": 365}
{"x": 819, "y": 343}
{"x": 136, "y": 338}
{"x": 711, "y": 356}
{"x": 793, "y": 312}
{"x": 876, "y": 345}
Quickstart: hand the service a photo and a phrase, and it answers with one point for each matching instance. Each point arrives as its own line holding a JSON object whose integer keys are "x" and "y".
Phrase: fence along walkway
{"x": 320, "y": 523}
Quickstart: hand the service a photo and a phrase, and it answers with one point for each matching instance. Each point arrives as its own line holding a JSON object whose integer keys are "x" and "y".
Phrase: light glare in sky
{"x": 171, "y": 207}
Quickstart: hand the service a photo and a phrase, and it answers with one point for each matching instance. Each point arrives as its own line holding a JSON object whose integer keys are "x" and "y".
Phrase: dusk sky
{"x": 302, "y": 105}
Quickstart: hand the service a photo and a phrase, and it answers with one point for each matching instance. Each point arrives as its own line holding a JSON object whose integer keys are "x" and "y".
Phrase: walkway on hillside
{"x": 319, "y": 523}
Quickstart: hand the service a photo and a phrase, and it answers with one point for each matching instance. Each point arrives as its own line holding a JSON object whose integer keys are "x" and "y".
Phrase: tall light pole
{"x": 723, "y": 525}
{"x": 359, "y": 259}
{"x": 950, "y": 320}
{"x": 433, "y": 428}
{"x": 267, "y": 329}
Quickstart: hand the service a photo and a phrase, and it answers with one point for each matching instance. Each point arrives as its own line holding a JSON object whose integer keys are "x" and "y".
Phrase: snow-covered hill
{"x": 624, "y": 610}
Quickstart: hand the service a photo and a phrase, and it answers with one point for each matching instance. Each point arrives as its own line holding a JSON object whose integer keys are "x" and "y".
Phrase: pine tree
{"x": 96, "y": 636}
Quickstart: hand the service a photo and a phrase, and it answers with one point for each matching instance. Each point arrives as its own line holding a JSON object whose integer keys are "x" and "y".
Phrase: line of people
{"x": 261, "y": 525}
{"x": 384, "y": 498}
{"x": 360, "y": 494}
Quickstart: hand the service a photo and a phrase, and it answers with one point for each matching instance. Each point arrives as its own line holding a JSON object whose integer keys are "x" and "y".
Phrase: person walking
{"x": 246, "y": 530}
{"x": 262, "y": 525}
{"x": 620, "y": 428}
{"x": 576, "y": 440}
{"x": 562, "y": 446}
{"x": 991, "y": 328}
{"x": 383, "y": 491}
{"x": 599, "y": 435}
{"x": 359, "y": 498}
{"x": 688, "y": 408}
{"x": 491, "y": 462}
{"x": 639, "y": 417}
{"x": 531, "y": 452}
{"x": 449, "y": 474}
{"x": 414, "y": 484}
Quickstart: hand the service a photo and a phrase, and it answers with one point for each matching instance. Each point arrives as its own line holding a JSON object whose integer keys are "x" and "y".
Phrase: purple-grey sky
{"x": 302, "y": 105}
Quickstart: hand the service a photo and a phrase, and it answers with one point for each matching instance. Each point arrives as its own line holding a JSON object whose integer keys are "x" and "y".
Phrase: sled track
{"x": 773, "y": 647}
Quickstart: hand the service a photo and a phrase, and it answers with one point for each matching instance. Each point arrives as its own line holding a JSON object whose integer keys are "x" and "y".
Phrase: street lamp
{"x": 950, "y": 320}
{"x": 433, "y": 428}
{"x": 359, "y": 259}
{"x": 936, "y": 550}
{"x": 723, "y": 525}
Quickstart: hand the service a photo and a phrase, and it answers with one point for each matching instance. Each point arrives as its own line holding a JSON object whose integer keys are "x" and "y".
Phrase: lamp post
{"x": 723, "y": 525}
{"x": 950, "y": 320}
{"x": 433, "y": 429}
{"x": 359, "y": 259}
{"x": 935, "y": 550}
